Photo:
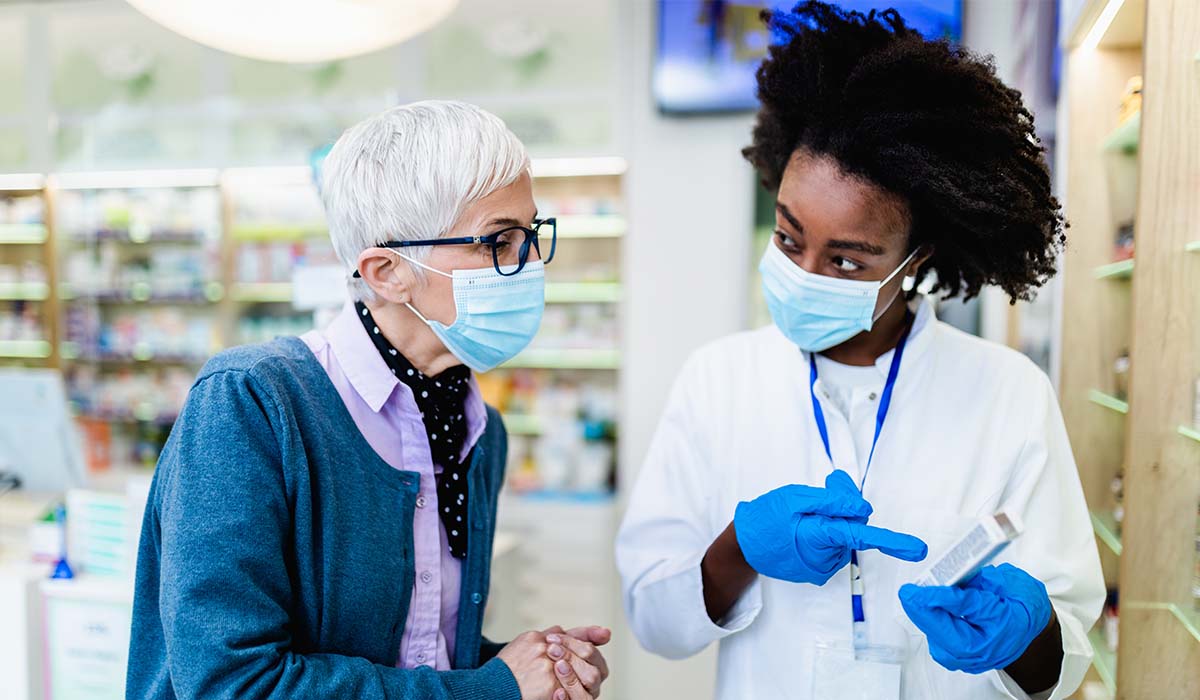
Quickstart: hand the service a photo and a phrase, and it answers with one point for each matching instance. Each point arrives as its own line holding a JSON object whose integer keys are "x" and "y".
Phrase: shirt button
{"x": 476, "y": 598}
{"x": 426, "y": 577}
{"x": 872, "y": 396}
{"x": 421, "y": 499}
{"x": 420, "y": 657}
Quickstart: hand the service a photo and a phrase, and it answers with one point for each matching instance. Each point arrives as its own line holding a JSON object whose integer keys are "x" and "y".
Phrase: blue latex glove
{"x": 983, "y": 624}
{"x": 804, "y": 534}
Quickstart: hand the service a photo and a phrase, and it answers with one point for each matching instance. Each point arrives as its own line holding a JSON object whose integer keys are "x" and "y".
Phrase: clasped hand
{"x": 805, "y": 534}
{"x": 558, "y": 665}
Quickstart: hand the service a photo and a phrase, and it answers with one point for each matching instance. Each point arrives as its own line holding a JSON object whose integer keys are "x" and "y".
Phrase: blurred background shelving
{"x": 1130, "y": 383}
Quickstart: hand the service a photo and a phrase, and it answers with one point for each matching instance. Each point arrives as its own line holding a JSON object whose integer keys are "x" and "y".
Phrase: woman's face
{"x": 833, "y": 224}
{"x": 510, "y": 206}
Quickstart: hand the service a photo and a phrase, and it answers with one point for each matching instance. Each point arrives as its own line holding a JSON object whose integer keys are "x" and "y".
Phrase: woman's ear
{"x": 914, "y": 267}
{"x": 383, "y": 272}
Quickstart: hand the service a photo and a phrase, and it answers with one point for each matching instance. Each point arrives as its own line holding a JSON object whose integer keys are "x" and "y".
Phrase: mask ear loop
{"x": 904, "y": 281}
{"x": 420, "y": 264}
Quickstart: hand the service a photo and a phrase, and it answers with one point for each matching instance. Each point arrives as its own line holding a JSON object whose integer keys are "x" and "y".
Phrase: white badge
{"x": 870, "y": 673}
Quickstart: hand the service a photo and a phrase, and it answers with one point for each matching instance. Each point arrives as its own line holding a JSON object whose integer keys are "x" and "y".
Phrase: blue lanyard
{"x": 885, "y": 401}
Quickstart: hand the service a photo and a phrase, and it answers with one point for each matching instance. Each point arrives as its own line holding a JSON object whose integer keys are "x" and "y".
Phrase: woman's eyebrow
{"x": 859, "y": 246}
{"x": 782, "y": 209}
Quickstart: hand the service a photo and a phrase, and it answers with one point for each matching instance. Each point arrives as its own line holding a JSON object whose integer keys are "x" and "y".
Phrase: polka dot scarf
{"x": 442, "y": 402}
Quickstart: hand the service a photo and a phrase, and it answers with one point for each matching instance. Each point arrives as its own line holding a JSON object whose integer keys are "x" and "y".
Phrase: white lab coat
{"x": 974, "y": 428}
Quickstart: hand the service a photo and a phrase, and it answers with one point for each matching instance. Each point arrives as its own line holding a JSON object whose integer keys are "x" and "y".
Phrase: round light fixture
{"x": 296, "y": 31}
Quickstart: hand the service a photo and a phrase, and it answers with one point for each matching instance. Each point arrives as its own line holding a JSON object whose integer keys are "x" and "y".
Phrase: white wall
{"x": 686, "y": 262}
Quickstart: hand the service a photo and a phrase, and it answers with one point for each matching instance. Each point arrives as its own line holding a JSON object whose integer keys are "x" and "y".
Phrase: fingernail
{"x": 553, "y": 638}
{"x": 563, "y": 668}
{"x": 560, "y": 694}
{"x": 555, "y": 651}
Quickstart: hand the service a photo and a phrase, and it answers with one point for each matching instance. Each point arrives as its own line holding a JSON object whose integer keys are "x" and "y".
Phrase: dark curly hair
{"x": 925, "y": 120}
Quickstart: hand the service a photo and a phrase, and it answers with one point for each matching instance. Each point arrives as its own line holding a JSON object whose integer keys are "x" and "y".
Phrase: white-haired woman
{"x": 321, "y": 519}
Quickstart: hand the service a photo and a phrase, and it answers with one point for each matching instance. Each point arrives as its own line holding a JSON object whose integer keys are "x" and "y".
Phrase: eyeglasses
{"x": 510, "y": 246}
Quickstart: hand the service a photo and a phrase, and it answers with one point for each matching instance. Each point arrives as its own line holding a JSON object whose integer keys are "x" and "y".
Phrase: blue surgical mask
{"x": 814, "y": 311}
{"x": 497, "y": 315}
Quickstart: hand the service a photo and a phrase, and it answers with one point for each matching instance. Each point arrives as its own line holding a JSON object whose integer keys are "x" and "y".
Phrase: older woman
{"x": 321, "y": 520}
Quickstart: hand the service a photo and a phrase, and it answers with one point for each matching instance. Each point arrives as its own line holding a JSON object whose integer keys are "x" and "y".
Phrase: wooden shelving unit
{"x": 22, "y": 243}
{"x": 1143, "y": 169}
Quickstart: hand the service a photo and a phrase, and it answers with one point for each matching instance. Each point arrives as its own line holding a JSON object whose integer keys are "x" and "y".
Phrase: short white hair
{"x": 409, "y": 173}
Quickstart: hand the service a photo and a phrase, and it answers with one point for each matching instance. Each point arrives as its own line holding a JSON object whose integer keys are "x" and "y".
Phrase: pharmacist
{"x": 858, "y": 428}
{"x": 320, "y": 523}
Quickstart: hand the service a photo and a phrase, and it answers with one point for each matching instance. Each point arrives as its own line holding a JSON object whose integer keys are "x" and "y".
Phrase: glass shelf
{"x": 1106, "y": 529}
{"x": 582, "y": 292}
{"x": 24, "y": 291}
{"x": 1190, "y": 433}
{"x": 1190, "y": 619}
{"x": 265, "y": 292}
{"x": 1108, "y": 401}
{"x": 22, "y": 233}
{"x": 1104, "y": 660}
{"x": 279, "y": 232}
{"x": 1122, "y": 269}
{"x": 1124, "y": 139}
{"x": 522, "y": 424}
{"x": 28, "y": 349}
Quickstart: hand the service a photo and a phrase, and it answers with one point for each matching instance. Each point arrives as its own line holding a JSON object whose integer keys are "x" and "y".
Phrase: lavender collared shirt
{"x": 386, "y": 414}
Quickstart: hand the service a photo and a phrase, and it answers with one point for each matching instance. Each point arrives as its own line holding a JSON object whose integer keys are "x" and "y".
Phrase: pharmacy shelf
{"x": 262, "y": 292}
{"x": 602, "y": 359}
{"x": 138, "y": 415}
{"x": 1122, "y": 269}
{"x": 279, "y": 232}
{"x": 1124, "y": 139}
{"x": 25, "y": 349}
{"x": 583, "y": 292}
{"x": 22, "y": 234}
{"x": 522, "y": 424}
{"x": 1107, "y": 530}
{"x": 1108, "y": 401}
{"x": 591, "y": 226}
{"x": 1188, "y": 432}
{"x": 187, "y": 236}
{"x": 142, "y": 293}
{"x": 71, "y": 351}
{"x": 1104, "y": 660}
{"x": 559, "y": 495}
{"x": 24, "y": 291}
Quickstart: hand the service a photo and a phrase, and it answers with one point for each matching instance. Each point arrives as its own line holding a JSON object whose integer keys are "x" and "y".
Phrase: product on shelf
{"x": 274, "y": 261}
{"x": 22, "y": 210}
{"x": 1117, "y": 486}
{"x": 166, "y": 332}
{"x": 186, "y": 214}
{"x": 1131, "y": 99}
{"x": 578, "y": 326}
{"x": 260, "y": 329}
{"x": 1123, "y": 245}
{"x": 562, "y": 430}
{"x": 1110, "y": 619}
{"x": 1121, "y": 375}
{"x": 20, "y": 321}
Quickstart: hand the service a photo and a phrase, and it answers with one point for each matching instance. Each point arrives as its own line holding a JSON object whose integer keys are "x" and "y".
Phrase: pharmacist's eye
{"x": 845, "y": 264}
{"x": 786, "y": 244}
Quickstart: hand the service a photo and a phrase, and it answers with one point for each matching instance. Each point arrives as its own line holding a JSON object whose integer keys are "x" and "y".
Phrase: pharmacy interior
{"x": 158, "y": 204}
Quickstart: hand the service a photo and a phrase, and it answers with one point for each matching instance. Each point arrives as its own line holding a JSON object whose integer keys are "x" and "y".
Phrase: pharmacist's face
{"x": 510, "y": 206}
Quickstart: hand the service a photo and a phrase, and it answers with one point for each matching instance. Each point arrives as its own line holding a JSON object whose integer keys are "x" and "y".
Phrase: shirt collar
{"x": 373, "y": 380}
{"x": 359, "y": 360}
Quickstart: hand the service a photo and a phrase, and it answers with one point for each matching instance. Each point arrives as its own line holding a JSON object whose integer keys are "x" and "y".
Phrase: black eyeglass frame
{"x": 532, "y": 236}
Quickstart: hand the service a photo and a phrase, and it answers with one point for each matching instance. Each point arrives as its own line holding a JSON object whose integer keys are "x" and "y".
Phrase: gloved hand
{"x": 804, "y": 534}
{"x": 983, "y": 624}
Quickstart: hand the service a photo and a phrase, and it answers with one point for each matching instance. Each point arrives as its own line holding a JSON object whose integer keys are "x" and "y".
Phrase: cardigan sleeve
{"x": 224, "y": 588}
